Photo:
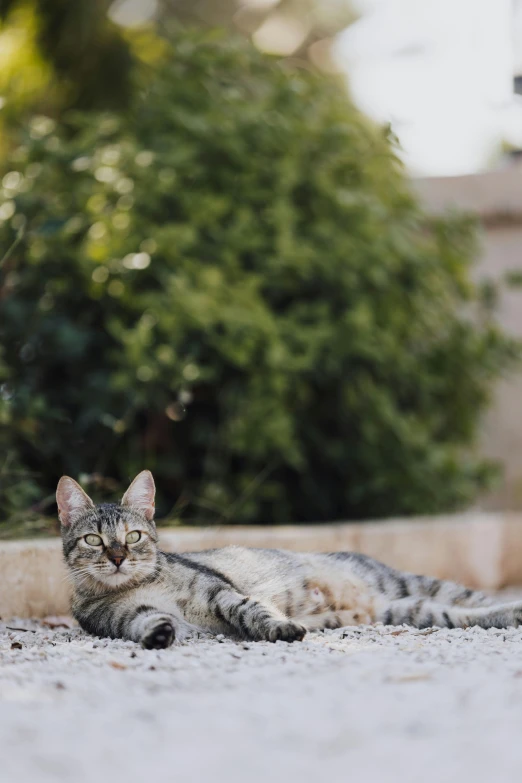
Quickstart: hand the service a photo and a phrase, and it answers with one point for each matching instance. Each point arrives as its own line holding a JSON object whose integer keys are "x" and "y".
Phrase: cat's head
{"x": 111, "y": 545}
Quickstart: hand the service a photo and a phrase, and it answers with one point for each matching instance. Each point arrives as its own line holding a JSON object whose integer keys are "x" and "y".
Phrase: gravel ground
{"x": 366, "y": 704}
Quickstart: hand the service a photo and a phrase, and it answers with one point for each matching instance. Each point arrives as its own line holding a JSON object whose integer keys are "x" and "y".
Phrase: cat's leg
{"x": 252, "y": 619}
{"x": 445, "y": 592}
{"x": 331, "y": 620}
{"x": 424, "y": 613}
{"x": 152, "y": 629}
{"x": 395, "y": 585}
{"x": 135, "y": 618}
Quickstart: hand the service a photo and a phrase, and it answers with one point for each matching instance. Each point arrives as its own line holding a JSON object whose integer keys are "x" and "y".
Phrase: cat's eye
{"x": 133, "y": 537}
{"x": 93, "y": 540}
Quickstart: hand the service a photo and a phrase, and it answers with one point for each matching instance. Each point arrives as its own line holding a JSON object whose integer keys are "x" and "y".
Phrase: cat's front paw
{"x": 286, "y": 631}
{"x": 160, "y": 636}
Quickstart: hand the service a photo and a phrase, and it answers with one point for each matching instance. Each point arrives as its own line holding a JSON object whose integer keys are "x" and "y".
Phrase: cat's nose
{"x": 116, "y": 557}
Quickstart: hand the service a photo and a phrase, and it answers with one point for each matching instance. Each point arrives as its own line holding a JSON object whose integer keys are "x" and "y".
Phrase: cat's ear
{"x": 140, "y": 495}
{"x": 72, "y": 501}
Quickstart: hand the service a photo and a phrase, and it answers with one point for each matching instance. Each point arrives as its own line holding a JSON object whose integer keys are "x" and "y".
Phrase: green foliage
{"x": 242, "y": 245}
{"x": 57, "y": 54}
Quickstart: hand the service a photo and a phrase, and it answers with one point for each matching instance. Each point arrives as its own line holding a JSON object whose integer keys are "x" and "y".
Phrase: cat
{"x": 125, "y": 587}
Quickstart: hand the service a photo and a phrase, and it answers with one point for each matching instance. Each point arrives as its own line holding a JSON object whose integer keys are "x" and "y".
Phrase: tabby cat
{"x": 125, "y": 587}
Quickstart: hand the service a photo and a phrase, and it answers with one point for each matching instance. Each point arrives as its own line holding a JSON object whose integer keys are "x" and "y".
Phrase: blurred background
{"x": 268, "y": 249}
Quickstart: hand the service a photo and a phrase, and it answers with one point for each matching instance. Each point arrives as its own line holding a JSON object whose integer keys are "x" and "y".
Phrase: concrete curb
{"x": 479, "y": 550}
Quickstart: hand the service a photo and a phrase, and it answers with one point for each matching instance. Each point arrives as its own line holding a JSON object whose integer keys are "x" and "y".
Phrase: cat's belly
{"x": 336, "y": 614}
{"x": 331, "y": 600}
{"x": 318, "y": 591}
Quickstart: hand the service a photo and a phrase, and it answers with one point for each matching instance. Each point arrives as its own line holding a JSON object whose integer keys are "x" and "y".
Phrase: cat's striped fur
{"x": 130, "y": 589}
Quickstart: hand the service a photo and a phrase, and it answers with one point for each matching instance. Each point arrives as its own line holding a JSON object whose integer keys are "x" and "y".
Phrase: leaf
{"x": 61, "y": 621}
{"x": 418, "y": 677}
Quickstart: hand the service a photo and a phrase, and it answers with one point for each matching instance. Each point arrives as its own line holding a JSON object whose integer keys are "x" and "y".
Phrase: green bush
{"x": 234, "y": 287}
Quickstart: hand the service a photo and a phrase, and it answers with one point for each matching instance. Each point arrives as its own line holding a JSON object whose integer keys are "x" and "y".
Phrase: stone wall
{"x": 496, "y": 197}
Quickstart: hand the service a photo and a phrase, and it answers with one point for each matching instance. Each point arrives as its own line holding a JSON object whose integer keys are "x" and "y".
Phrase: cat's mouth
{"x": 117, "y": 574}
{"x": 126, "y": 572}
{"x": 116, "y": 577}
{"x": 111, "y": 577}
